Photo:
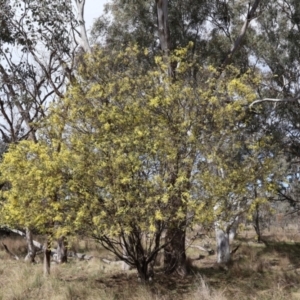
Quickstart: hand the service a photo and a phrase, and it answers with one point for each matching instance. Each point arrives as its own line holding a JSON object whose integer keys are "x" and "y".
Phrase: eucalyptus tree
{"x": 38, "y": 48}
{"x": 276, "y": 51}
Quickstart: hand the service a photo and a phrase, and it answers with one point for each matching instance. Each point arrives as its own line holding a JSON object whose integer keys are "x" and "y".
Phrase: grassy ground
{"x": 258, "y": 271}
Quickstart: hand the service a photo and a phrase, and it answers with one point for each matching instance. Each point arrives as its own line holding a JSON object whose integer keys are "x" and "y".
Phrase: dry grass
{"x": 258, "y": 271}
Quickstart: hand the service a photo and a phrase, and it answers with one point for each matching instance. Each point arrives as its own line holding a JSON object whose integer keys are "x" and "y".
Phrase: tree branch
{"x": 275, "y": 100}
{"x": 237, "y": 43}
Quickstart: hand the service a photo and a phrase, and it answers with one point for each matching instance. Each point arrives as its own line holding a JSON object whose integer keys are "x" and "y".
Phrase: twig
{"x": 235, "y": 249}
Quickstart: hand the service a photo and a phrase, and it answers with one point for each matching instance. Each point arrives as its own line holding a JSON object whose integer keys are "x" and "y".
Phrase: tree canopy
{"x": 124, "y": 143}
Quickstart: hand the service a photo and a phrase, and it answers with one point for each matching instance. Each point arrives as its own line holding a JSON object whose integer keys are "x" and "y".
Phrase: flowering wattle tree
{"x": 130, "y": 152}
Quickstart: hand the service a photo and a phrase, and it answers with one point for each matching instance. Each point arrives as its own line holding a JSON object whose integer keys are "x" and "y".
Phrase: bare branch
{"x": 23, "y": 112}
{"x": 237, "y": 43}
{"x": 295, "y": 99}
{"x": 21, "y": 233}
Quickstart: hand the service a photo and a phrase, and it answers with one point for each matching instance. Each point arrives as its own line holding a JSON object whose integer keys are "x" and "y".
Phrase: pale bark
{"x": 250, "y": 16}
{"x": 40, "y": 247}
{"x": 163, "y": 26}
{"x": 83, "y": 41}
{"x": 223, "y": 247}
{"x": 21, "y": 233}
{"x": 80, "y": 256}
{"x": 30, "y": 257}
{"x": 295, "y": 99}
{"x": 62, "y": 250}
{"x": 32, "y": 245}
{"x": 224, "y": 237}
{"x": 164, "y": 32}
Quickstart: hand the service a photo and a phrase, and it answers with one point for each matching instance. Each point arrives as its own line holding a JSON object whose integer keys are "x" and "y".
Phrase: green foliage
{"x": 125, "y": 142}
{"x": 212, "y": 26}
{"x": 36, "y": 173}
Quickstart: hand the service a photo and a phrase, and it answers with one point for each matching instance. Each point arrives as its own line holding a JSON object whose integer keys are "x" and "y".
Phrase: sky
{"x": 93, "y": 10}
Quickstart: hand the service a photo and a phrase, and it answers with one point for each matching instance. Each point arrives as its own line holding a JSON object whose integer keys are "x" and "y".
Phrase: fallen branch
{"x": 80, "y": 256}
{"x": 40, "y": 247}
{"x": 36, "y": 244}
{"x": 113, "y": 262}
{"x": 209, "y": 251}
{"x": 205, "y": 249}
{"x": 9, "y": 252}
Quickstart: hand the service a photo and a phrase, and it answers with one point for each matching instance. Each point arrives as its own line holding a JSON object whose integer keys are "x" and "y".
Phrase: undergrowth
{"x": 258, "y": 271}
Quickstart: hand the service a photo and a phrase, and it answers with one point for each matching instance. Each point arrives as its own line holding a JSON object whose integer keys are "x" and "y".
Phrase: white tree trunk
{"x": 30, "y": 257}
{"x": 233, "y": 228}
{"x": 223, "y": 247}
{"x": 83, "y": 40}
{"x": 62, "y": 250}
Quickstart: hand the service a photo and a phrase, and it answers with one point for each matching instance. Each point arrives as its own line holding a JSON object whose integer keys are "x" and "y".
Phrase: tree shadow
{"x": 250, "y": 273}
{"x": 284, "y": 249}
